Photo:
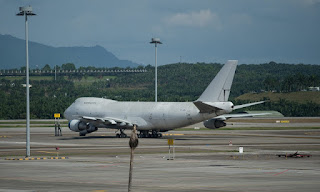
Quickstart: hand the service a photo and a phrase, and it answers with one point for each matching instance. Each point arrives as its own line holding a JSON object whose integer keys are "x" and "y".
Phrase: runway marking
{"x": 47, "y": 152}
{"x": 4, "y": 136}
{"x": 256, "y": 135}
{"x": 36, "y": 158}
{"x": 281, "y": 172}
{"x": 107, "y": 166}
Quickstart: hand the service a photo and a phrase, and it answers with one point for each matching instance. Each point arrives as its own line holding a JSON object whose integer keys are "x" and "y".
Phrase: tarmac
{"x": 204, "y": 160}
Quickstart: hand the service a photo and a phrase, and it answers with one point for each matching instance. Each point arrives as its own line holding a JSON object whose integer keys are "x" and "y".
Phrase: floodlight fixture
{"x": 25, "y": 11}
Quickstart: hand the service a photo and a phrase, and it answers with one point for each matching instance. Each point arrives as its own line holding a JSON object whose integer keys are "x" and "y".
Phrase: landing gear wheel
{"x": 147, "y": 134}
{"x": 121, "y": 134}
{"x": 154, "y": 134}
{"x": 82, "y": 134}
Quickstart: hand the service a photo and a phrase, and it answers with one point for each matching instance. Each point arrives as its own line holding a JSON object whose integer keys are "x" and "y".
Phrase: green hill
{"x": 301, "y": 97}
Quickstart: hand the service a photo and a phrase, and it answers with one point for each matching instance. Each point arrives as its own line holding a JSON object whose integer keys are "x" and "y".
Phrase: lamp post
{"x": 27, "y": 11}
{"x": 156, "y": 41}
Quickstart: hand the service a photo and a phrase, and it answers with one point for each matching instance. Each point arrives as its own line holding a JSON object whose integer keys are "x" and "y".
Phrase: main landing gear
{"x": 121, "y": 134}
{"x": 147, "y": 134}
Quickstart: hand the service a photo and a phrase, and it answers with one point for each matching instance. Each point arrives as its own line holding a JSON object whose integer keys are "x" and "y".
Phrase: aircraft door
{"x": 160, "y": 116}
{"x": 188, "y": 115}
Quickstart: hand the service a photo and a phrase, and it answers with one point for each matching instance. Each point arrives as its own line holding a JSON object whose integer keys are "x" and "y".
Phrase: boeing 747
{"x": 87, "y": 114}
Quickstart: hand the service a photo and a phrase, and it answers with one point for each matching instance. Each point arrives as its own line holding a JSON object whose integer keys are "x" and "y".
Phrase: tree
{"x": 46, "y": 67}
{"x": 68, "y": 66}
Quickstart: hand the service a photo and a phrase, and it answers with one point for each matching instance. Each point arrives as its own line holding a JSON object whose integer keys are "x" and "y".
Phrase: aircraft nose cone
{"x": 67, "y": 114}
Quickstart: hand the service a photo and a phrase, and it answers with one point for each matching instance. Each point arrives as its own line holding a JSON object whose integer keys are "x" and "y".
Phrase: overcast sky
{"x": 252, "y": 31}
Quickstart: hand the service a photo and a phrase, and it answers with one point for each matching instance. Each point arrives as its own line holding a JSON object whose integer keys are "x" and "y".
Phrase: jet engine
{"x": 214, "y": 123}
{"x": 89, "y": 130}
{"x": 77, "y": 125}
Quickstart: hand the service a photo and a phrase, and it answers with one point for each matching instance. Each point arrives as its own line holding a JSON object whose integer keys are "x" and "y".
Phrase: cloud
{"x": 202, "y": 18}
{"x": 311, "y": 2}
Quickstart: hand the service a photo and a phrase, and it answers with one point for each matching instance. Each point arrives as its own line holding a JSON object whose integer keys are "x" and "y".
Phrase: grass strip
{"x": 247, "y": 128}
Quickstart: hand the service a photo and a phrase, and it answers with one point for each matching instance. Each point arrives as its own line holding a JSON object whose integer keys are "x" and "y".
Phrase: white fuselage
{"x": 160, "y": 116}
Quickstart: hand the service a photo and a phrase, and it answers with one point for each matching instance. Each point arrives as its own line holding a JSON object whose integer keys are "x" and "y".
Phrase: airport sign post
{"x": 27, "y": 11}
{"x": 57, "y": 128}
{"x": 57, "y": 115}
{"x": 171, "y": 142}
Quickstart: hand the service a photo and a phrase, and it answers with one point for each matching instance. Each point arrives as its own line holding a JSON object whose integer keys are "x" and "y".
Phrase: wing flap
{"x": 107, "y": 121}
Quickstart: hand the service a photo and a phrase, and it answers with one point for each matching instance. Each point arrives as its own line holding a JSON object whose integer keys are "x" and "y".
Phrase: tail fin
{"x": 219, "y": 88}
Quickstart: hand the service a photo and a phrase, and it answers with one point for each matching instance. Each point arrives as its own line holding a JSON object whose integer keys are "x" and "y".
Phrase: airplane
{"x": 87, "y": 114}
{"x": 294, "y": 155}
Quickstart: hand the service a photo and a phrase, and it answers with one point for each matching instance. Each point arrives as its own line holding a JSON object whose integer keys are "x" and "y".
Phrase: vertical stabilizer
{"x": 219, "y": 88}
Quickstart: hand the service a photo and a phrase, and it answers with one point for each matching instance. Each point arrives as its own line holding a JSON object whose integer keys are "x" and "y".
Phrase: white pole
{"x": 27, "y": 83}
{"x": 156, "y": 74}
{"x": 173, "y": 152}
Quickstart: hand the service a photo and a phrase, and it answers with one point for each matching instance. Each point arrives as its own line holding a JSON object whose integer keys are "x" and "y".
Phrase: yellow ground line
{"x": 167, "y": 134}
{"x": 47, "y": 152}
{"x": 99, "y": 191}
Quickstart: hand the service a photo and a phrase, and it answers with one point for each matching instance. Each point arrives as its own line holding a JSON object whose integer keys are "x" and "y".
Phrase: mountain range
{"x": 12, "y": 55}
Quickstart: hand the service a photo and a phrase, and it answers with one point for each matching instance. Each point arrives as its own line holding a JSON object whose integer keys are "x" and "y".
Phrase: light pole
{"x": 156, "y": 41}
{"x": 27, "y": 11}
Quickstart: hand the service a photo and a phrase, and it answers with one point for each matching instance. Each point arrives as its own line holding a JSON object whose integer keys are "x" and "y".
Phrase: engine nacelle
{"x": 89, "y": 130}
{"x": 214, "y": 123}
{"x": 77, "y": 125}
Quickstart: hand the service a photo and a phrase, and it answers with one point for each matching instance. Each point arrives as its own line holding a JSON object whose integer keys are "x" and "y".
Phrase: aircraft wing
{"x": 107, "y": 121}
{"x": 228, "y": 116}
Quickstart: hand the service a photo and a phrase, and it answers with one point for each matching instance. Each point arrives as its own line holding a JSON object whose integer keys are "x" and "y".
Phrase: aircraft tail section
{"x": 219, "y": 88}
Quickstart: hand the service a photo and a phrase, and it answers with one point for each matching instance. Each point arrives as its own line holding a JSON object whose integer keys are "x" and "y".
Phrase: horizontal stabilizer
{"x": 247, "y": 105}
{"x": 206, "y": 107}
{"x": 212, "y": 107}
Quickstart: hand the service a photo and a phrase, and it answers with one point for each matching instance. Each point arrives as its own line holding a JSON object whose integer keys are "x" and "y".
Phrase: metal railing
{"x": 51, "y": 72}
